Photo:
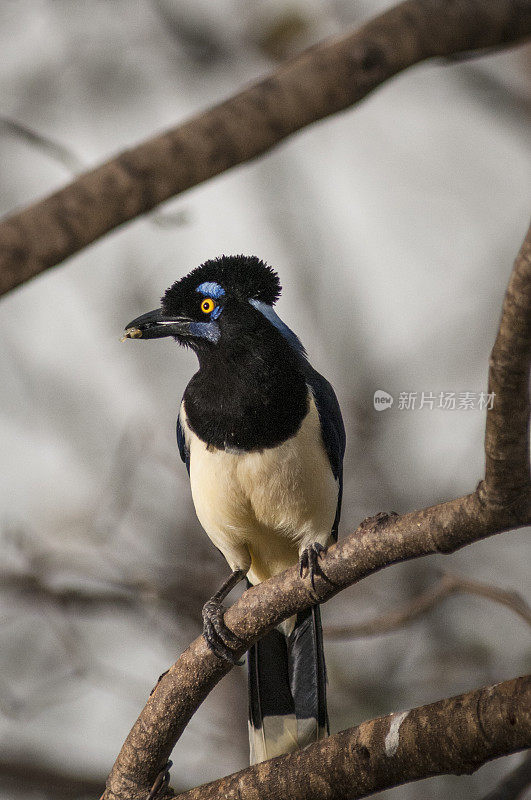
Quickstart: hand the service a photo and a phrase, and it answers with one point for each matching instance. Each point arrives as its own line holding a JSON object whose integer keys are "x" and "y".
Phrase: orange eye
{"x": 207, "y": 305}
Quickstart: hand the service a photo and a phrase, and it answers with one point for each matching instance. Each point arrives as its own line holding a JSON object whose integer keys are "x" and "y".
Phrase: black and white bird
{"x": 262, "y": 437}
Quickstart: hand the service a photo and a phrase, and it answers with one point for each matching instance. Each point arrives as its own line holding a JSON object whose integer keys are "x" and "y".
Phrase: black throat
{"x": 250, "y": 392}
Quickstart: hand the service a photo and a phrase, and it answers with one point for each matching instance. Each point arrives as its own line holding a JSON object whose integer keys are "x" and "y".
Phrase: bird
{"x": 263, "y": 440}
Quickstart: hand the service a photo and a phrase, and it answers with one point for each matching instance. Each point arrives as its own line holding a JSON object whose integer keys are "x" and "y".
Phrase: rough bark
{"x": 453, "y": 736}
{"x": 378, "y": 542}
{"x": 506, "y": 448}
{"x": 323, "y": 80}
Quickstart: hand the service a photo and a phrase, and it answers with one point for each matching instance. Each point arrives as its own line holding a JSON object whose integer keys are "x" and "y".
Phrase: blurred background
{"x": 393, "y": 227}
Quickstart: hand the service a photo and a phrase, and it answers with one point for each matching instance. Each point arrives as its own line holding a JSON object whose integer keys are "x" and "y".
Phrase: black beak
{"x": 156, "y": 324}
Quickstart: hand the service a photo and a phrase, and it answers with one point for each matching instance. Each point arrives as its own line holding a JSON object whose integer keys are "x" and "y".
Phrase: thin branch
{"x": 36, "y": 586}
{"x": 55, "y": 150}
{"x": 71, "y": 161}
{"x": 25, "y": 778}
{"x": 451, "y": 737}
{"x": 379, "y": 542}
{"x": 447, "y": 586}
{"x": 184, "y": 592}
{"x": 323, "y": 80}
{"x": 180, "y": 598}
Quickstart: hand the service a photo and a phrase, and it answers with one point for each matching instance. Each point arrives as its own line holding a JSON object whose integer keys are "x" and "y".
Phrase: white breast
{"x": 262, "y": 508}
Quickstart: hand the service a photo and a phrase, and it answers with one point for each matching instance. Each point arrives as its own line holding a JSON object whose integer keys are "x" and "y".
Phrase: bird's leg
{"x": 220, "y": 639}
{"x": 309, "y": 563}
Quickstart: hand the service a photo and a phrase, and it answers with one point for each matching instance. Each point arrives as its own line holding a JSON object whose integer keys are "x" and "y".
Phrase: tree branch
{"x": 451, "y": 737}
{"x": 378, "y": 542}
{"x": 185, "y": 600}
{"x": 323, "y": 80}
{"x": 507, "y": 430}
{"x": 447, "y": 586}
{"x": 25, "y": 778}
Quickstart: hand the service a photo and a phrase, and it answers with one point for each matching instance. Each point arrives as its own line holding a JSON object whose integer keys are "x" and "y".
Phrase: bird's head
{"x": 212, "y": 302}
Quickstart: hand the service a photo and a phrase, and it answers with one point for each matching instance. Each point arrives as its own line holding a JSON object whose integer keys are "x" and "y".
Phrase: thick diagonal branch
{"x": 507, "y": 432}
{"x": 378, "y": 543}
{"x": 453, "y": 736}
{"x": 322, "y": 81}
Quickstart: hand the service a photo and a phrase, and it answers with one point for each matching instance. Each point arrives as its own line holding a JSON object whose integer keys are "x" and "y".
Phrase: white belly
{"x": 262, "y": 508}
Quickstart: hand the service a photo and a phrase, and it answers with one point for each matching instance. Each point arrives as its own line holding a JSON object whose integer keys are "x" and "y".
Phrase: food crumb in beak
{"x": 131, "y": 333}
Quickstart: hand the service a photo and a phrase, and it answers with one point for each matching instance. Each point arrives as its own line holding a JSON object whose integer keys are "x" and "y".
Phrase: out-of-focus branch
{"x": 50, "y": 147}
{"x": 379, "y": 542}
{"x": 447, "y": 586}
{"x": 513, "y": 785}
{"x": 453, "y": 736}
{"x": 39, "y": 589}
{"x": 71, "y": 161}
{"x": 133, "y": 595}
{"x": 184, "y": 593}
{"x": 25, "y": 779}
{"x": 323, "y": 80}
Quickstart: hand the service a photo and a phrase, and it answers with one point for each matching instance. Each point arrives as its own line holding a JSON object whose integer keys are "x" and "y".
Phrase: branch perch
{"x": 378, "y": 542}
{"x": 451, "y": 737}
{"x": 323, "y": 80}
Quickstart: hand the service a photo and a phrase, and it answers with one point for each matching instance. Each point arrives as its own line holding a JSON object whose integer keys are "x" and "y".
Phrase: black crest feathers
{"x": 244, "y": 277}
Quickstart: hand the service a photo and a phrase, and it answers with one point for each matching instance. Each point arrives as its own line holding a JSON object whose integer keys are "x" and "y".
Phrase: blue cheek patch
{"x": 215, "y": 314}
{"x": 211, "y": 289}
{"x": 206, "y": 330}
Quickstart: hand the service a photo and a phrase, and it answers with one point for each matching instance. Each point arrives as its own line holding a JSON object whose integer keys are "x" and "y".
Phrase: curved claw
{"x": 309, "y": 563}
{"x": 220, "y": 639}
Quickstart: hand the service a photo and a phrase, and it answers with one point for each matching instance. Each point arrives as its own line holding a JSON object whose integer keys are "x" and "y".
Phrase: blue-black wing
{"x": 332, "y": 430}
{"x": 184, "y": 452}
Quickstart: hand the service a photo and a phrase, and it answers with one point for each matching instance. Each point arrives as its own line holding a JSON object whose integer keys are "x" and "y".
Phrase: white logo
{"x": 382, "y": 400}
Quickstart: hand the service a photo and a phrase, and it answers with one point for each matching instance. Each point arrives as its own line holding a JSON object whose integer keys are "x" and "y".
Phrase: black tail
{"x": 287, "y": 688}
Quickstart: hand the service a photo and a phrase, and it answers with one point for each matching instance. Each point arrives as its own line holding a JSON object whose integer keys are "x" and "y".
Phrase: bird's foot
{"x": 309, "y": 563}
{"x": 220, "y": 639}
{"x": 161, "y": 781}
